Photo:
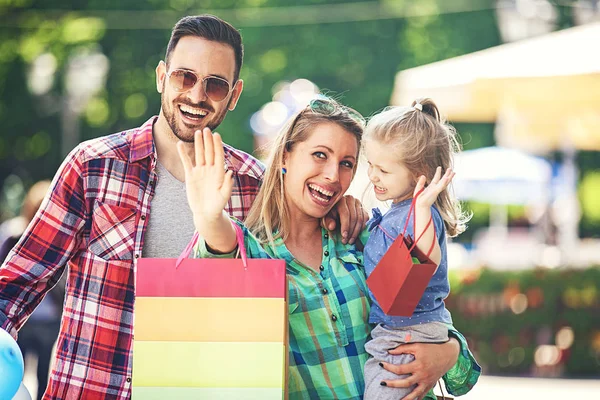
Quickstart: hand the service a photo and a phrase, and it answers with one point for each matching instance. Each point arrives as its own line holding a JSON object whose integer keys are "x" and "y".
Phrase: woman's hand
{"x": 208, "y": 185}
{"x": 431, "y": 362}
{"x": 438, "y": 184}
{"x": 351, "y": 216}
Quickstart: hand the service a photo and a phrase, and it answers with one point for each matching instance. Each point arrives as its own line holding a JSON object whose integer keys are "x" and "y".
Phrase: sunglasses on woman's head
{"x": 182, "y": 80}
{"x": 322, "y": 105}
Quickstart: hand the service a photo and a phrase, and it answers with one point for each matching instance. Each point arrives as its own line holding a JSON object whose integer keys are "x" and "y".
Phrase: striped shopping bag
{"x": 210, "y": 328}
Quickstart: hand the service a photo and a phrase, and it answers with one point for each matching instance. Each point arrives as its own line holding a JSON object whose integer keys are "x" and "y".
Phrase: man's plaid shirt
{"x": 93, "y": 220}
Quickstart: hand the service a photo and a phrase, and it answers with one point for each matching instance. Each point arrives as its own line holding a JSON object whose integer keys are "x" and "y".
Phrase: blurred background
{"x": 519, "y": 79}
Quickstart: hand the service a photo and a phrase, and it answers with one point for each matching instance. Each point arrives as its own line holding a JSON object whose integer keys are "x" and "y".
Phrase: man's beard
{"x": 169, "y": 113}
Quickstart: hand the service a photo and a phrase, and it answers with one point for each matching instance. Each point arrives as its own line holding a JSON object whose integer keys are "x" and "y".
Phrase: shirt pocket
{"x": 113, "y": 232}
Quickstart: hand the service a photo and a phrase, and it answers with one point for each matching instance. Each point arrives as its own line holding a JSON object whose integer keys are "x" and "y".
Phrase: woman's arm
{"x": 431, "y": 362}
{"x": 451, "y": 360}
{"x": 208, "y": 189}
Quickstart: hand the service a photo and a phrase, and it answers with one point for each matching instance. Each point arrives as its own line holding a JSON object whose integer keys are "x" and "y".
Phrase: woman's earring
{"x": 283, "y": 170}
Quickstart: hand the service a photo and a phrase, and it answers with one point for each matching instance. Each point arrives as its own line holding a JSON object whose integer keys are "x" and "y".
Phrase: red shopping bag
{"x": 210, "y": 328}
{"x": 397, "y": 282}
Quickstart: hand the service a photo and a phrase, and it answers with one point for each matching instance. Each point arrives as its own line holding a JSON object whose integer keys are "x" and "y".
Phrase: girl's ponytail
{"x": 429, "y": 108}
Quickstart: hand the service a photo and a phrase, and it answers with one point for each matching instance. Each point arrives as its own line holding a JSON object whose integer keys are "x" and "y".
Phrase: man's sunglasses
{"x": 182, "y": 80}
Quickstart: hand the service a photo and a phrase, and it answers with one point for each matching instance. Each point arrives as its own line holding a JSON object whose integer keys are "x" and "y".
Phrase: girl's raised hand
{"x": 438, "y": 184}
{"x": 207, "y": 183}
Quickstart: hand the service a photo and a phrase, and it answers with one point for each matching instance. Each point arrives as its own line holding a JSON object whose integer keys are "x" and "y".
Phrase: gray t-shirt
{"x": 171, "y": 223}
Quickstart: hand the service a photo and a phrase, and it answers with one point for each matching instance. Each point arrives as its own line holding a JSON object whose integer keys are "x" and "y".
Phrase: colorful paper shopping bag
{"x": 398, "y": 282}
{"x": 210, "y": 328}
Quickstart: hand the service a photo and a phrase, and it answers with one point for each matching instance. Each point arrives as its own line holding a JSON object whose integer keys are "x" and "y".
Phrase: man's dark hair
{"x": 211, "y": 28}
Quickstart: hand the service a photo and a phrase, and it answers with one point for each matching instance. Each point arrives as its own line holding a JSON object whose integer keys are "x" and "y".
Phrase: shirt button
{"x": 324, "y": 291}
{"x": 152, "y": 183}
{"x": 128, "y": 379}
{"x": 321, "y": 268}
{"x": 333, "y": 317}
{"x": 326, "y": 253}
{"x": 326, "y": 236}
{"x": 143, "y": 217}
{"x": 137, "y": 256}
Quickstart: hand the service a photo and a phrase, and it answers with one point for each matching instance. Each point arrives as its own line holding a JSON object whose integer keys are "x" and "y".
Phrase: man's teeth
{"x": 191, "y": 110}
{"x": 379, "y": 188}
{"x": 321, "y": 190}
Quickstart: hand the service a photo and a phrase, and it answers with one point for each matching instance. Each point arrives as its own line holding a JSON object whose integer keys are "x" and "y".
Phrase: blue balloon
{"x": 11, "y": 366}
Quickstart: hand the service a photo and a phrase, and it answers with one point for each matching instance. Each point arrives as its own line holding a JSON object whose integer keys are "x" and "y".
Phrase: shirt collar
{"x": 142, "y": 142}
{"x": 281, "y": 251}
{"x": 329, "y": 247}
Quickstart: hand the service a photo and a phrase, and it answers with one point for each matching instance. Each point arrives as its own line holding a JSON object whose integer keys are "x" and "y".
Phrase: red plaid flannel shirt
{"x": 93, "y": 220}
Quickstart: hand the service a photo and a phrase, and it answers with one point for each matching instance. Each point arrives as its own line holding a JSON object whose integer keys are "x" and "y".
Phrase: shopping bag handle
{"x": 240, "y": 242}
{"x": 413, "y": 210}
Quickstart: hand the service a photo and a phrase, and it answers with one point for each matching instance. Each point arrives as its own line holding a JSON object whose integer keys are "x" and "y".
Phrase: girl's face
{"x": 319, "y": 170}
{"x": 390, "y": 177}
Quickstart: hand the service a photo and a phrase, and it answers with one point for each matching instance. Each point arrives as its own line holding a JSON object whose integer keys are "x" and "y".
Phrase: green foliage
{"x": 588, "y": 163}
{"x": 473, "y": 136}
{"x": 589, "y": 193}
{"x": 506, "y": 316}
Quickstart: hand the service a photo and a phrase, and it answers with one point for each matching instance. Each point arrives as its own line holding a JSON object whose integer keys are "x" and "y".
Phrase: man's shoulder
{"x": 243, "y": 163}
{"x": 115, "y": 145}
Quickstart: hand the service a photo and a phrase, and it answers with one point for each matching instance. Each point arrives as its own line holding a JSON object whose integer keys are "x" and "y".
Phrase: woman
{"x": 311, "y": 166}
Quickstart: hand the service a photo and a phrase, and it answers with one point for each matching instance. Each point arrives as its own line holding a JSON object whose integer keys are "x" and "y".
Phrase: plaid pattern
{"x": 93, "y": 220}
{"x": 327, "y": 354}
{"x": 464, "y": 374}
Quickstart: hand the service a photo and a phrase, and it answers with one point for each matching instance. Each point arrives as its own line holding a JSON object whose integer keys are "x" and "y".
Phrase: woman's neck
{"x": 303, "y": 230}
{"x": 304, "y": 241}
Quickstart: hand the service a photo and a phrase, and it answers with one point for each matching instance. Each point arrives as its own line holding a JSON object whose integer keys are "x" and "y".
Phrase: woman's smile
{"x": 322, "y": 194}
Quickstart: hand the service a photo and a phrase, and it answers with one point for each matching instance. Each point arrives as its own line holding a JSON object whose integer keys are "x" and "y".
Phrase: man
{"x": 122, "y": 196}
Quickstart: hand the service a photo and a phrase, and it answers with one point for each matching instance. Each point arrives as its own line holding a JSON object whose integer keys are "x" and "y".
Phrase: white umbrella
{"x": 502, "y": 176}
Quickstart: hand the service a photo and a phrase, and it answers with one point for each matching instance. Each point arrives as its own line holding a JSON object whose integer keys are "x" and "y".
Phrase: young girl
{"x": 404, "y": 147}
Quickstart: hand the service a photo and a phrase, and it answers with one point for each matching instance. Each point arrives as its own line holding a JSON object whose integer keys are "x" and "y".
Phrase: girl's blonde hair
{"x": 269, "y": 216}
{"x": 422, "y": 140}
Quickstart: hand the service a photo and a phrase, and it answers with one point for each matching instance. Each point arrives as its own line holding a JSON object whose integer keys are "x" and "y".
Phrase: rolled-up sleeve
{"x": 202, "y": 251}
{"x": 253, "y": 246}
{"x": 461, "y": 378}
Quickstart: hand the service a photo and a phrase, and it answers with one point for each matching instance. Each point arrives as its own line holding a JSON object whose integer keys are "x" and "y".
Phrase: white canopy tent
{"x": 544, "y": 91}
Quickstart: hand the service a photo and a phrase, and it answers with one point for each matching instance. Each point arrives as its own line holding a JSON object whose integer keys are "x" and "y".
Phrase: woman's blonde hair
{"x": 269, "y": 216}
{"x": 422, "y": 140}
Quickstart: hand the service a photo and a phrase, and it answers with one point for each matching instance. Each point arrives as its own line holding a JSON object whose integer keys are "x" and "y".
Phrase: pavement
{"x": 488, "y": 387}
{"x": 497, "y": 388}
